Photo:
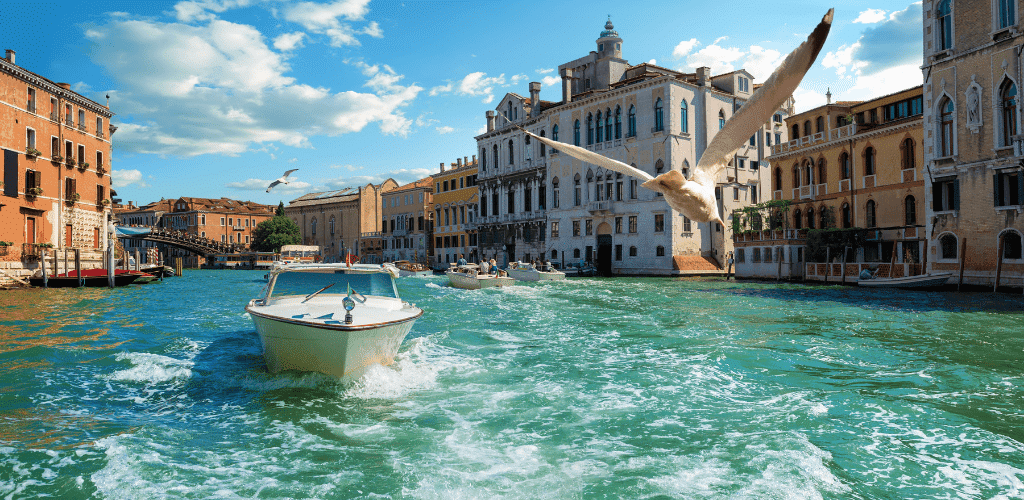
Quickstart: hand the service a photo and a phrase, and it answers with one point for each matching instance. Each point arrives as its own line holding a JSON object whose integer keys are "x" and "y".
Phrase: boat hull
{"x": 89, "y": 281}
{"x": 908, "y": 282}
{"x": 534, "y": 275}
{"x": 341, "y": 352}
{"x": 466, "y": 282}
{"x": 417, "y": 274}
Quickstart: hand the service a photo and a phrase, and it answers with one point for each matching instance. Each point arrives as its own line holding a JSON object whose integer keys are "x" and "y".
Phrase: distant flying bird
{"x": 695, "y": 197}
{"x": 282, "y": 180}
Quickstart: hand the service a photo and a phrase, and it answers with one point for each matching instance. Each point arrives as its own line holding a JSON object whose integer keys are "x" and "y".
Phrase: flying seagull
{"x": 282, "y": 180}
{"x": 695, "y": 197}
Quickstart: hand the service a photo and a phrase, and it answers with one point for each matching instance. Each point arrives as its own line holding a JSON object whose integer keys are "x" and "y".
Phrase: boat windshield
{"x": 307, "y": 282}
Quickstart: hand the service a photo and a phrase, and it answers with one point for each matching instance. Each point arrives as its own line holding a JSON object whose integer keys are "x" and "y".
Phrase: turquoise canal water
{"x": 594, "y": 388}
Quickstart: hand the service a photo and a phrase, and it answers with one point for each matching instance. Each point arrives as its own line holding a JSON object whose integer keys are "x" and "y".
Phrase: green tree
{"x": 271, "y": 235}
{"x": 280, "y": 209}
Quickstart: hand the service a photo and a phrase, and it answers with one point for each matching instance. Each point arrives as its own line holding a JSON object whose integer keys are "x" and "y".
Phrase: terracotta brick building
{"x": 456, "y": 202}
{"x": 56, "y": 167}
{"x": 342, "y": 221}
{"x": 406, "y": 221}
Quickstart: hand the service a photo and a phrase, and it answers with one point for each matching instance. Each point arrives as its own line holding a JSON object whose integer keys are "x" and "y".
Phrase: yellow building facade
{"x": 455, "y": 207}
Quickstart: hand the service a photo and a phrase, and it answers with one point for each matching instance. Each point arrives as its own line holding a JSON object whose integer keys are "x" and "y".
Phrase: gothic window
{"x": 600, "y": 129}
{"x": 946, "y": 127}
{"x": 869, "y": 211}
{"x": 807, "y": 127}
{"x": 796, "y": 176}
{"x": 844, "y": 165}
{"x": 684, "y": 120}
{"x": 554, "y": 191}
{"x": 944, "y": 18}
{"x": 910, "y": 211}
{"x": 796, "y": 131}
{"x": 312, "y": 226}
{"x": 527, "y": 150}
{"x": 554, "y": 132}
{"x": 949, "y": 246}
{"x": 607, "y": 124}
{"x": 511, "y": 152}
{"x": 819, "y": 125}
{"x": 496, "y": 156}
{"x": 822, "y": 169}
{"x": 1008, "y": 111}
{"x": 543, "y": 147}
{"x": 509, "y": 115}
{"x": 511, "y": 201}
{"x": 869, "y": 161}
{"x": 576, "y": 194}
{"x": 778, "y": 179}
{"x": 659, "y": 121}
{"x": 483, "y": 159}
{"x": 797, "y": 219}
{"x": 810, "y": 218}
{"x": 721, "y": 119}
{"x": 631, "y": 122}
{"x": 590, "y": 129}
{"x": 847, "y": 216}
{"x": 576, "y": 134}
{"x": 823, "y": 217}
{"x": 618, "y": 122}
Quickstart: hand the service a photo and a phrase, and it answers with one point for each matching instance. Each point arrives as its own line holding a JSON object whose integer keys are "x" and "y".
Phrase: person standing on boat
{"x": 462, "y": 260}
{"x": 485, "y": 267}
{"x": 494, "y": 267}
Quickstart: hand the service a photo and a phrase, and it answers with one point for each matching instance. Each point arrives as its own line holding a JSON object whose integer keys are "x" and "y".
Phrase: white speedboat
{"x": 406, "y": 268}
{"x": 331, "y": 319}
{"x": 528, "y": 272}
{"x": 468, "y": 277}
{"x": 918, "y": 281}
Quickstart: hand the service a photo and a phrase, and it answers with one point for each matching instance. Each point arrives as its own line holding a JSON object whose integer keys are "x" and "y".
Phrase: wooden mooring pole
{"x": 42, "y": 262}
{"x": 65, "y": 261}
{"x": 78, "y": 267}
{"x": 999, "y": 263}
{"x": 846, "y": 251}
{"x": 963, "y": 257}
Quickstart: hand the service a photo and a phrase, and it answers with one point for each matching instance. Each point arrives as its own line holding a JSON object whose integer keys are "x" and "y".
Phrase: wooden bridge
{"x": 185, "y": 241}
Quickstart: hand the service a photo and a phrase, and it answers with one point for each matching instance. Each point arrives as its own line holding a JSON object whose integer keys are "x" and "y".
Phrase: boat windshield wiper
{"x": 314, "y": 294}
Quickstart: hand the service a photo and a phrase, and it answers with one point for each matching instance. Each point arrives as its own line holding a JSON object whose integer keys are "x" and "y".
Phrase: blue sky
{"x": 219, "y": 97}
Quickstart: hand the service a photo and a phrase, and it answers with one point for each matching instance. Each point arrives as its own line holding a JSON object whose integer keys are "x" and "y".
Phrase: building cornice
{"x": 53, "y": 88}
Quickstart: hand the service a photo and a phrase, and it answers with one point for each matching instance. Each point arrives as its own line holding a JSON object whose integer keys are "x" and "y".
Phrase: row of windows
{"x": 1004, "y": 16}
{"x": 588, "y": 226}
{"x": 464, "y": 182}
{"x": 407, "y": 200}
{"x": 69, "y": 150}
{"x": 1011, "y": 241}
{"x": 810, "y": 172}
{"x": 1006, "y": 124}
{"x": 825, "y": 217}
{"x": 659, "y": 251}
{"x": 69, "y": 115}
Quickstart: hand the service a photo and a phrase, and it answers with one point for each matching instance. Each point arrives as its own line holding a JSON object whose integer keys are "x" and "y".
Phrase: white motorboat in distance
{"x": 528, "y": 272}
{"x": 406, "y": 269}
{"x": 468, "y": 277}
{"x": 908, "y": 282}
{"x": 331, "y": 319}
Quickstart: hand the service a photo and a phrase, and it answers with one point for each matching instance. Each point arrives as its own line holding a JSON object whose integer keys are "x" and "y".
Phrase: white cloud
{"x": 684, "y": 47}
{"x": 550, "y": 81}
{"x": 261, "y": 185}
{"x": 870, "y": 16}
{"x": 350, "y": 168}
{"x": 219, "y": 89}
{"x": 326, "y": 19}
{"x": 401, "y": 176}
{"x": 653, "y": 61}
{"x": 441, "y": 89}
{"x": 516, "y": 79}
{"x": 289, "y": 41}
{"x": 544, "y": 71}
{"x": 122, "y": 178}
{"x": 761, "y": 62}
{"x": 480, "y": 130}
{"x": 445, "y": 130}
{"x": 479, "y": 84}
{"x": 719, "y": 59}
{"x": 806, "y": 99}
{"x": 202, "y": 10}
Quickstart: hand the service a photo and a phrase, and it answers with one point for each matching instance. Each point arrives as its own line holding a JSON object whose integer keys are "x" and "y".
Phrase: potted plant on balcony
{"x": 73, "y": 198}
{"x": 83, "y": 166}
{"x": 3, "y": 247}
{"x": 70, "y": 161}
{"x": 33, "y": 192}
{"x": 32, "y": 153}
{"x": 57, "y": 159}
{"x": 100, "y": 169}
{"x": 106, "y": 202}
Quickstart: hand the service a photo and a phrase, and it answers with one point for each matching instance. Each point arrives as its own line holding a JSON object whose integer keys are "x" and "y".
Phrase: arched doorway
{"x": 604, "y": 249}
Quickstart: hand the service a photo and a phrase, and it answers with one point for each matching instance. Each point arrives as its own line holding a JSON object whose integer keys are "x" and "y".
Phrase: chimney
{"x": 442, "y": 167}
{"x": 65, "y": 86}
{"x": 566, "y": 85}
{"x": 703, "y": 76}
{"x": 474, "y": 159}
{"x": 490, "y": 120}
{"x": 465, "y": 160}
{"x": 10, "y": 56}
{"x": 458, "y": 163}
{"x": 535, "y": 99}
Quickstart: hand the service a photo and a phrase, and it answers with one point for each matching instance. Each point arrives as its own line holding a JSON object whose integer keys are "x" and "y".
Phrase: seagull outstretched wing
{"x": 762, "y": 105}
{"x": 282, "y": 180}
{"x": 272, "y": 184}
{"x": 592, "y": 157}
{"x": 286, "y": 174}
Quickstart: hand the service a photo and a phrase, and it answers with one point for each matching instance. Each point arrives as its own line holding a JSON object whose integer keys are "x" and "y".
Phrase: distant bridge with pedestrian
{"x": 179, "y": 239}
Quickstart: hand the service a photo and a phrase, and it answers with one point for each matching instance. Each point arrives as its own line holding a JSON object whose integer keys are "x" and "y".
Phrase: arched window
{"x": 631, "y": 122}
{"x": 554, "y": 132}
{"x": 600, "y": 129}
{"x": 590, "y": 129}
{"x": 618, "y": 122}
{"x": 483, "y": 159}
{"x": 822, "y": 169}
{"x": 527, "y": 150}
{"x": 1008, "y": 105}
{"x": 543, "y": 147}
{"x": 796, "y": 176}
{"x": 554, "y": 191}
{"x": 1007, "y": 13}
{"x": 632, "y": 251}
{"x": 847, "y": 216}
{"x": 659, "y": 167}
{"x": 509, "y": 115}
{"x": 496, "y": 160}
{"x": 844, "y": 165}
{"x": 944, "y": 20}
{"x": 798, "y": 221}
{"x": 869, "y": 161}
{"x": 1011, "y": 245}
{"x": 597, "y": 188}
{"x": 590, "y": 179}
{"x": 554, "y": 254}
{"x": 575, "y": 253}
{"x": 577, "y": 195}
{"x": 910, "y": 211}
{"x": 685, "y": 169}
{"x": 607, "y": 124}
{"x": 907, "y": 154}
{"x": 511, "y": 200}
{"x": 684, "y": 120}
{"x": 511, "y": 152}
{"x": 807, "y": 127}
{"x": 331, "y": 224}
{"x": 869, "y": 214}
{"x": 810, "y": 218}
{"x": 721, "y": 119}
{"x": 946, "y": 127}
{"x": 796, "y": 132}
{"x": 659, "y": 116}
{"x": 949, "y": 247}
{"x": 778, "y": 179}
{"x": 312, "y": 226}
{"x": 576, "y": 134}
{"x": 819, "y": 125}
{"x": 659, "y": 251}
{"x": 823, "y": 218}
{"x": 808, "y": 173}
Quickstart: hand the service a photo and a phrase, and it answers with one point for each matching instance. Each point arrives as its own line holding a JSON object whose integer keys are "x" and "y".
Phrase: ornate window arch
{"x": 944, "y": 25}
{"x": 798, "y": 221}
{"x": 909, "y": 210}
{"x": 590, "y": 129}
{"x": 819, "y": 125}
{"x": 949, "y": 246}
{"x": 844, "y": 165}
{"x": 907, "y": 160}
{"x": 483, "y": 159}
{"x": 946, "y": 129}
{"x": 600, "y": 129}
{"x": 847, "y": 215}
{"x": 795, "y": 134}
{"x": 554, "y": 192}
{"x": 796, "y": 175}
{"x": 822, "y": 171}
{"x": 631, "y": 122}
{"x": 511, "y": 152}
{"x": 810, "y": 217}
{"x": 721, "y": 119}
{"x": 659, "y": 115}
{"x": 778, "y": 179}
{"x": 807, "y": 127}
{"x": 576, "y": 194}
{"x": 1007, "y": 112}
{"x": 607, "y": 124}
{"x": 576, "y": 133}
{"x": 543, "y": 147}
{"x": 554, "y": 132}
{"x": 870, "y": 212}
{"x": 684, "y": 119}
{"x": 1012, "y": 248}
{"x": 496, "y": 160}
{"x": 869, "y": 160}
{"x": 618, "y": 122}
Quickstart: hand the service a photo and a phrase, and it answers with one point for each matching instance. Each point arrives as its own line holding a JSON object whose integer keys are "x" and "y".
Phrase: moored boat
{"x": 331, "y": 319}
{"x": 406, "y": 268}
{"x": 94, "y": 278}
{"x": 468, "y": 277}
{"x": 908, "y": 282}
{"x": 528, "y": 272}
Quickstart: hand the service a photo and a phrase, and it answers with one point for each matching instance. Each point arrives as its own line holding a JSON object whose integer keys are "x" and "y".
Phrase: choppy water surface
{"x": 621, "y": 388}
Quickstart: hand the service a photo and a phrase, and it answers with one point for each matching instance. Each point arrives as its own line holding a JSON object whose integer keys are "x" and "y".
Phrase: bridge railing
{"x": 192, "y": 241}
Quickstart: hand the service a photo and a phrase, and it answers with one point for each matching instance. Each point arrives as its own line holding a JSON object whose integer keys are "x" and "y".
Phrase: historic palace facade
{"x": 342, "y": 222}
{"x": 538, "y": 203}
{"x": 456, "y": 199}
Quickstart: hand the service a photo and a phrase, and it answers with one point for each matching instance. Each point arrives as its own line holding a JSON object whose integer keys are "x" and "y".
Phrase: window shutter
{"x": 956, "y": 194}
{"x": 937, "y": 196}
{"x": 996, "y": 190}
